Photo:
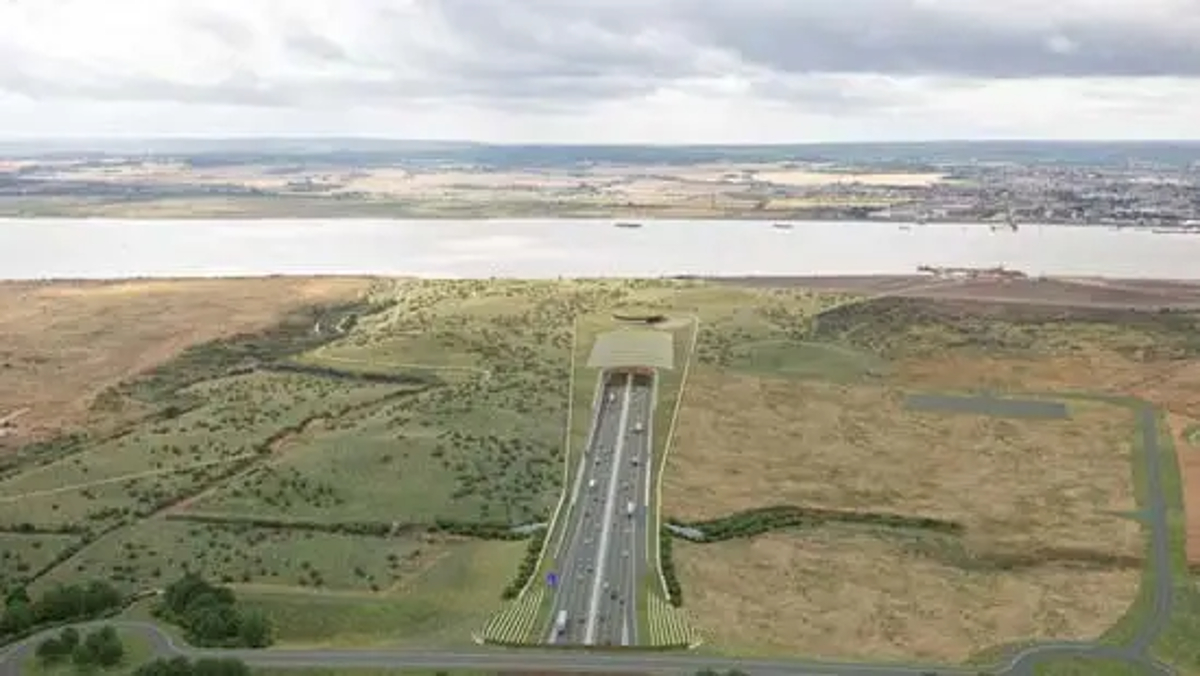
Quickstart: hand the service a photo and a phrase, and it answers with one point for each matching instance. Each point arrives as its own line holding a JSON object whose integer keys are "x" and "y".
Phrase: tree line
{"x": 57, "y": 605}
{"x": 182, "y": 666}
{"x": 674, "y": 590}
{"x": 758, "y": 521}
{"x": 99, "y": 648}
{"x": 484, "y": 530}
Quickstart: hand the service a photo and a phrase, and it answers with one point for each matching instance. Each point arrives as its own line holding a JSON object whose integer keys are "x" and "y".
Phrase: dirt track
{"x": 1063, "y": 292}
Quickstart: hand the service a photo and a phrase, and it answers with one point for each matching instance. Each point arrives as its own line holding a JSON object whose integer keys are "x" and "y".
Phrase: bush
{"x": 674, "y": 590}
{"x": 100, "y": 648}
{"x": 180, "y": 666}
{"x": 210, "y": 615}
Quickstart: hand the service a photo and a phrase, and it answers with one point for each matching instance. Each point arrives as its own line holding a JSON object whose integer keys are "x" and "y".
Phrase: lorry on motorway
{"x": 560, "y": 623}
{"x": 629, "y": 508}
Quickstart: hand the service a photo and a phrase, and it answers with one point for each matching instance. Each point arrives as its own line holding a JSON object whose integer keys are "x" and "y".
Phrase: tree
{"x": 51, "y": 651}
{"x": 177, "y": 666}
{"x": 105, "y": 647}
{"x": 254, "y": 631}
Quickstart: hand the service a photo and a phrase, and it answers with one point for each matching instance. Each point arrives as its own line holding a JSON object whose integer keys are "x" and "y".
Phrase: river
{"x": 115, "y": 248}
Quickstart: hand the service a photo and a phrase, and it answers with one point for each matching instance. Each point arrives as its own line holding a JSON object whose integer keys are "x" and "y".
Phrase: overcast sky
{"x": 599, "y": 71}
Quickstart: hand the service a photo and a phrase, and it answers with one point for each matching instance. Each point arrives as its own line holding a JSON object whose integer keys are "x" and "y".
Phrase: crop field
{"x": 872, "y": 408}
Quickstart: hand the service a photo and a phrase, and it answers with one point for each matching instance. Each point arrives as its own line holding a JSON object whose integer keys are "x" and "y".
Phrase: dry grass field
{"x": 1047, "y": 550}
{"x": 842, "y": 594}
{"x": 1037, "y": 499}
{"x": 63, "y": 343}
{"x": 750, "y": 441}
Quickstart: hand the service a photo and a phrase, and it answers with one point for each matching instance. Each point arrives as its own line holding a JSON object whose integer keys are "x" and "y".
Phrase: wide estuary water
{"x": 113, "y": 248}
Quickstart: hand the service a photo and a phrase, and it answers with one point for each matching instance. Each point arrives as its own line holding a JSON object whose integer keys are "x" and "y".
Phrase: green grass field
{"x": 441, "y": 605}
{"x": 158, "y": 461}
{"x": 23, "y": 554}
{"x": 155, "y": 552}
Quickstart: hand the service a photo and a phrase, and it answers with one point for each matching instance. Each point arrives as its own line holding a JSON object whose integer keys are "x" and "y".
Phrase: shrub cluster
{"x": 758, "y": 521}
{"x": 181, "y": 666}
{"x": 100, "y": 648}
{"x": 482, "y": 530}
{"x": 674, "y": 590}
{"x": 372, "y": 528}
{"x": 210, "y": 615}
{"x": 528, "y": 566}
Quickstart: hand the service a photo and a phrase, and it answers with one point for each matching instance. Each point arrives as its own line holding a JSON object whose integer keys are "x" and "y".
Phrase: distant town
{"x": 999, "y": 184}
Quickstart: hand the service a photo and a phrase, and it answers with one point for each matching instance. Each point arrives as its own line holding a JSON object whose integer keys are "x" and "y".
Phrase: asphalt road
{"x": 602, "y": 559}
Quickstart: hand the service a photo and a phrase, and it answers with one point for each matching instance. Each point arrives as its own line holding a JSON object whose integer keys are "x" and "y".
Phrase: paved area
{"x": 603, "y": 556}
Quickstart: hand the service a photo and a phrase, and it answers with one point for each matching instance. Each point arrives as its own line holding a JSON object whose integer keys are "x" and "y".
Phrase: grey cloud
{"x": 907, "y": 38}
{"x": 551, "y": 55}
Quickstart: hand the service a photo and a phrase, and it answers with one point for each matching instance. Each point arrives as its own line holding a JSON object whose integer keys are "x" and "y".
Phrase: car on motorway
{"x": 612, "y": 397}
{"x": 639, "y": 427}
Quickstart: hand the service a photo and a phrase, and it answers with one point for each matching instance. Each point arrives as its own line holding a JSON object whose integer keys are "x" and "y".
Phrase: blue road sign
{"x": 552, "y": 579}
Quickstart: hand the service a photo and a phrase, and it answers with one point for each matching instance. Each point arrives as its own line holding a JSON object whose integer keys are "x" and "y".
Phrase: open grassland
{"x": 24, "y": 554}
{"x": 486, "y": 445}
{"x": 819, "y": 418}
{"x": 159, "y": 463}
{"x": 1014, "y": 485}
{"x": 156, "y": 551}
{"x": 61, "y": 344}
{"x": 440, "y": 604}
{"x": 877, "y": 596}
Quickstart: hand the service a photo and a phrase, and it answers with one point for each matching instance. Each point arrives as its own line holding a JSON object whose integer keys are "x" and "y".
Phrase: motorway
{"x": 602, "y": 558}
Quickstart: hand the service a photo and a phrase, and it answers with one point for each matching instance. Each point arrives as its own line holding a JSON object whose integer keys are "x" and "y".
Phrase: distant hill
{"x": 368, "y": 152}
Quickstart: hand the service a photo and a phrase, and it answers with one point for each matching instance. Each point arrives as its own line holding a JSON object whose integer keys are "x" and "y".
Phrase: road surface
{"x": 603, "y": 557}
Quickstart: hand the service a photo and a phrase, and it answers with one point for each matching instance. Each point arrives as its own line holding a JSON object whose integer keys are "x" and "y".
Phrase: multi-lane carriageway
{"x": 603, "y": 556}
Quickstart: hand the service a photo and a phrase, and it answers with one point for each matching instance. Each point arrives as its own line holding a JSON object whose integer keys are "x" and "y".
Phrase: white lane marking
{"x": 606, "y": 523}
